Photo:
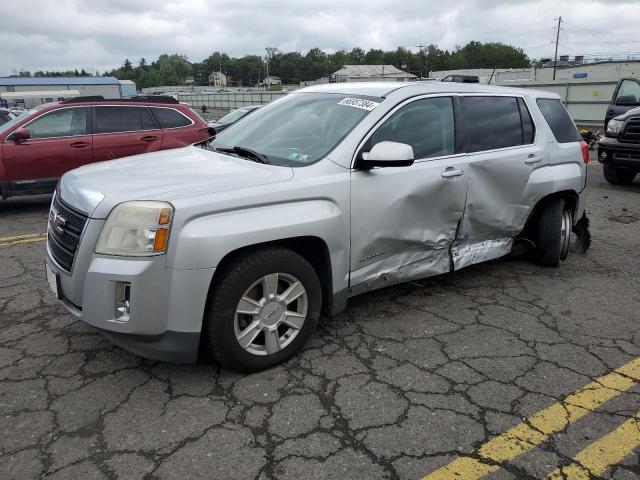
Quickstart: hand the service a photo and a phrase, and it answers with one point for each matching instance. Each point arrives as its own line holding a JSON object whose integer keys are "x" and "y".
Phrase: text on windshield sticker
{"x": 359, "y": 103}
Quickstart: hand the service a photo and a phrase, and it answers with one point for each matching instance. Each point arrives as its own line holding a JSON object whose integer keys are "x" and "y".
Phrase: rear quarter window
{"x": 170, "y": 118}
{"x": 559, "y": 120}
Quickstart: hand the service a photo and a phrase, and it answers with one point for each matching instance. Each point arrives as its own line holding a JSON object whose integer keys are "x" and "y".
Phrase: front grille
{"x": 626, "y": 156}
{"x": 65, "y": 229}
{"x": 631, "y": 131}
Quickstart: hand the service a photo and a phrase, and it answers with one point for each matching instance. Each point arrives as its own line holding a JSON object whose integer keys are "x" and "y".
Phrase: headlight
{"x": 614, "y": 127}
{"x": 136, "y": 228}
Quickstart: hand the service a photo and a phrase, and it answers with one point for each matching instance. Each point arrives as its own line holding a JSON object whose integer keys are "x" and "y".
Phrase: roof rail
{"x": 152, "y": 99}
{"x": 94, "y": 98}
{"x": 138, "y": 98}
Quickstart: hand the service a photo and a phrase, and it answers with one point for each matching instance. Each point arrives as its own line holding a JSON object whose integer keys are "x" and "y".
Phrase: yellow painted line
{"x": 537, "y": 428}
{"x": 36, "y": 237}
{"x": 599, "y": 456}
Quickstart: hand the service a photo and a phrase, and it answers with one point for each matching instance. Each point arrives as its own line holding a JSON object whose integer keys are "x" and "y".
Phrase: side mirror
{"x": 211, "y": 131}
{"x": 627, "y": 100}
{"x": 20, "y": 135}
{"x": 387, "y": 154}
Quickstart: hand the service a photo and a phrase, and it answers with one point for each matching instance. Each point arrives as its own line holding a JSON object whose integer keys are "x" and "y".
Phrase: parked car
{"x": 240, "y": 244}
{"x": 17, "y": 111}
{"x": 39, "y": 146}
{"x": 625, "y": 97}
{"x": 461, "y": 79}
{"x": 619, "y": 150}
{"x": 233, "y": 117}
{"x": 5, "y": 116}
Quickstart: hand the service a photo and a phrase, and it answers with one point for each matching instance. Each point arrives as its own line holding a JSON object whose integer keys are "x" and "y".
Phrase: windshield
{"x": 9, "y": 125}
{"x": 233, "y": 116}
{"x": 298, "y": 129}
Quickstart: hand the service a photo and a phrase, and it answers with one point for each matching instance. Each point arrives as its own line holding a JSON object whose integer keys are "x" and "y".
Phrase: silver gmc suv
{"x": 239, "y": 244}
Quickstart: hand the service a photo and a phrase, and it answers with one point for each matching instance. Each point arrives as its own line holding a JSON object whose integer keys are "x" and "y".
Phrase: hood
{"x": 634, "y": 112}
{"x": 165, "y": 175}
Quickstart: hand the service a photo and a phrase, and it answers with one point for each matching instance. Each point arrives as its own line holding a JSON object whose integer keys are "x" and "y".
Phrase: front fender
{"x": 204, "y": 241}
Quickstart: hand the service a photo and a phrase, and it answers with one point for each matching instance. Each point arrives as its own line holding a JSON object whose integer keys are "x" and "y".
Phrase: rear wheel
{"x": 263, "y": 309}
{"x": 618, "y": 176}
{"x": 553, "y": 233}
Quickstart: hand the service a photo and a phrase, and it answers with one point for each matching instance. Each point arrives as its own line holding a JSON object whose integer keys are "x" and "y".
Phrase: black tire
{"x": 551, "y": 246}
{"x": 229, "y": 287}
{"x": 618, "y": 176}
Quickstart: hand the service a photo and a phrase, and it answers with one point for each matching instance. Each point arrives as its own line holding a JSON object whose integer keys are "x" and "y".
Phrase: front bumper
{"x": 619, "y": 154}
{"x": 166, "y": 305}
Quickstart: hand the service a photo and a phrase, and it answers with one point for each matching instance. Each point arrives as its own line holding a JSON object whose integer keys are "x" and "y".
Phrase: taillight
{"x": 585, "y": 152}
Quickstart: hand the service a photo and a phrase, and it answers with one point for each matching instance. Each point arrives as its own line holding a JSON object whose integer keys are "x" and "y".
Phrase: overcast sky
{"x": 100, "y": 34}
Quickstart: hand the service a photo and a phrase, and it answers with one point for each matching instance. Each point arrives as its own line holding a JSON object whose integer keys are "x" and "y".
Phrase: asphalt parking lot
{"x": 503, "y": 370}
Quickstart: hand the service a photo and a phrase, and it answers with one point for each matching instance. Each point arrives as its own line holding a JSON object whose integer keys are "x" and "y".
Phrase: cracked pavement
{"x": 403, "y": 382}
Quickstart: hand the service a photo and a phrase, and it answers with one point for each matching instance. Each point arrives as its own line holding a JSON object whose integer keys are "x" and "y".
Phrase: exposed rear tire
{"x": 553, "y": 233}
{"x": 618, "y": 176}
{"x": 264, "y": 306}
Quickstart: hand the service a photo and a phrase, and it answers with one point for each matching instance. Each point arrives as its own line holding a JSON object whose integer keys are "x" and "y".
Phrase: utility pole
{"x": 555, "y": 57}
{"x": 271, "y": 51}
{"x": 421, "y": 47}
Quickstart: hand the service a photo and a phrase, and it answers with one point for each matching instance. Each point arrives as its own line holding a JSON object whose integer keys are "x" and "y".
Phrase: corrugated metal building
{"x": 108, "y": 87}
{"x": 370, "y": 73}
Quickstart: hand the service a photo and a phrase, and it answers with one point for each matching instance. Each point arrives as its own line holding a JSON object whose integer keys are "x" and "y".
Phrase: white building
{"x": 272, "y": 80}
{"x": 218, "y": 79}
{"x": 370, "y": 73}
{"x": 574, "y": 71}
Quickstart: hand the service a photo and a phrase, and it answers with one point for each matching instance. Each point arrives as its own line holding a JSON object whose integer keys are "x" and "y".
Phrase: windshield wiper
{"x": 245, "y": 152}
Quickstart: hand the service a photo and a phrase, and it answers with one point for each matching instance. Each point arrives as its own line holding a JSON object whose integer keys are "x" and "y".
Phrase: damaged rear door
{"x": 404, "y": 219}
{"x": 502, "y": 153}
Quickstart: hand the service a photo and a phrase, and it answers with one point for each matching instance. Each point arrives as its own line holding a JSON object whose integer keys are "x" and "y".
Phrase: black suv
{"x": 619, "y": 151}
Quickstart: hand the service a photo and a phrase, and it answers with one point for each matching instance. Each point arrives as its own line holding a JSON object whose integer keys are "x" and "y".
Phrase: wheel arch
{"x": 312, "y": 248}
{"x": 571, "y": 198}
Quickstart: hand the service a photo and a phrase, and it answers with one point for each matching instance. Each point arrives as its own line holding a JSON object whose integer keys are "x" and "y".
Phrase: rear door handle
{"x": 533, "y": 159}
{"x": 452, "y": 172}
{"x": 79, "y": 144}
{"x": 148, "y": 138}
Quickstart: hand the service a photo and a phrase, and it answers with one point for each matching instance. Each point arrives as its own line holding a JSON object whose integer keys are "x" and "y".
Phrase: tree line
{"x": 294, "y": 67}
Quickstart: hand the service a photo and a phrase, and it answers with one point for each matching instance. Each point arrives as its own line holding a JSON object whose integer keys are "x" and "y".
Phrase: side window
{"x": 528, "y": 129}
{"x": 65, "y": 122}
{"x": 629, "y": 88}
{"x": 123, "y": 119}
{"x": 491, "y": 123}
{"x": 427, "y": 125}
{"x": 170, "y": 118}
{"x": 559, "y": 120}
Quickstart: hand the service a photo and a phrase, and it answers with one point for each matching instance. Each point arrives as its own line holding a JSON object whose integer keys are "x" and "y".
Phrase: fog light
{"x": 122, "y": 296}
{"x": 603, "y": 155}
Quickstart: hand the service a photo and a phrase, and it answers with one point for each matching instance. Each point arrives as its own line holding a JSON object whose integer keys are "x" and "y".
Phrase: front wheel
{"x": 618, "y": 176}
{"x": 264, "y": 307}
{"x": 553, "y": 233}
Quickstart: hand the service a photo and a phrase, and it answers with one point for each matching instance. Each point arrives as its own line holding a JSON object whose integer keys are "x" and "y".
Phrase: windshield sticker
{"x": 359, "y": 103}
{"x": 298, "y": 157}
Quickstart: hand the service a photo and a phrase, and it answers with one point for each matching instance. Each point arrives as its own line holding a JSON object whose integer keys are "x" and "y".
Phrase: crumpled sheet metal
{"x": 409, "y": 265}
{"x": 468, "y": 254}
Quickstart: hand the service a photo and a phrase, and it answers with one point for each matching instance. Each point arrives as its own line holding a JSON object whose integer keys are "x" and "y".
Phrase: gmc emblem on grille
{"x": 57, "y": 221}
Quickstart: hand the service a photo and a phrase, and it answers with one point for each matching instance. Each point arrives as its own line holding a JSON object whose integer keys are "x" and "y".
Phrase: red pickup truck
{"x": 38, "y": 147}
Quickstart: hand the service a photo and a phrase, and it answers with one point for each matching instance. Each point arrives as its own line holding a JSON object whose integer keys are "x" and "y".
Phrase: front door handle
{"x": 79, "y": 144}
{"x": 148, "y": 138}
{"x": 452, "y": 172}
{"x": 533, "y": 159}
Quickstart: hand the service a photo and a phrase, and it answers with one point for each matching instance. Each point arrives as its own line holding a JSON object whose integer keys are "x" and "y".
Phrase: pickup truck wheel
{"x": 263, "y": 309}
{"x": 618, "y": 176}
{"x": 553, "y": 234}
